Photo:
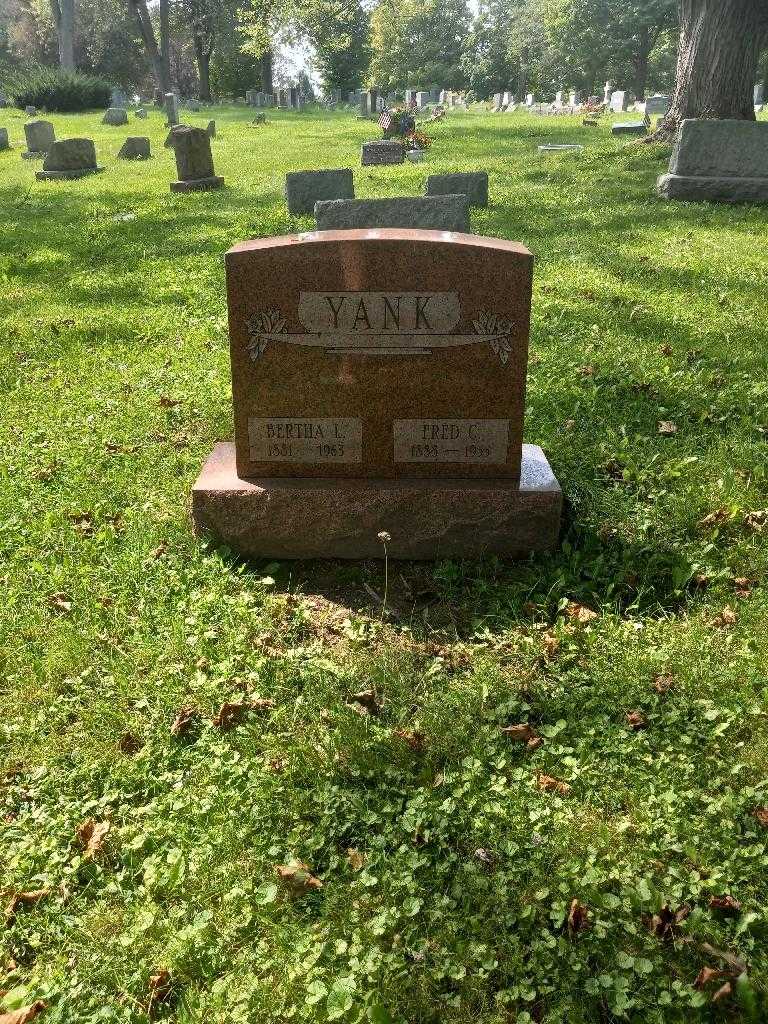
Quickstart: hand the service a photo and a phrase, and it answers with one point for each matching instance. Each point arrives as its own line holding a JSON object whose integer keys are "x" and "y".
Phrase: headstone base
{"x": 198, "y": 184}
{"x": 335, "y": 518}
{"x": 33, "y": 154}
{"x": 70, "y": 175}
{"x": 721, "y": 190}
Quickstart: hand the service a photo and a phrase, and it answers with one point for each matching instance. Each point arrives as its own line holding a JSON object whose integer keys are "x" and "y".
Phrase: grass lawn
{"x": 453, "y": 873}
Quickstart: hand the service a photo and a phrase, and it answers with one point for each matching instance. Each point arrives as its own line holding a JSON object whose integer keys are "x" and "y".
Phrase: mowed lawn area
{"x": 433, "y": 868}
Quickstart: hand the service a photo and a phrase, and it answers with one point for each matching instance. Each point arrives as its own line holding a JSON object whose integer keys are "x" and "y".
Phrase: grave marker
{"x": 724, "y": 161}
{"x": 4, "y": 143}
{"x": 135, "y": 147}
{"x": 438, "y": 213}
{"x": 473, "y": 184}
{"x": 194, "y": 162}
{"x": 40, "y": 137}
{"x": 304, "y": 188}
{"x": 69, "y": 159}
{"x": 115, "y": 116}
{"x": 382, "y": 151}
{"x": 378, "y": 383}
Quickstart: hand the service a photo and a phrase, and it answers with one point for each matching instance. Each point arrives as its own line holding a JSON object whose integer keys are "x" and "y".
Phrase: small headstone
{"x": 384, "y": 151}
{"x": 558, "y": 99}
{"x": 607, "y": 90}
{"x": 30, "y": 111}
{"x": 140, "y": 113}
{"x": 118, "y": 98}
{"x": 115, "y": 116}
{"x": 171, "y": 109}
{"x": 619, "y": 101}
{"x": 562, "y": 148}
{"x": 438, "y": 213}
{"x": 135, "y": 147}
{"x": 194, "y": 161}
{"x": 722, "y": 161}
{"x": 630, "y": 128}
{"x": 40, "y": 137}
{"x": 414, "y": 156}
{"x": 211, "y": 129}
{"x": 422, "y": 99}
{"x": 363, "y": 112}
{"x": 473, "y": 184}
{"x": 378, "y": 383}
{"x": 69, "y": 159}
{"x": 3, "y": 100}
{"x": 759, "y": 94}
{"x": 529, "y": 99}
{"x": 657, "y": 106}
{"x": 4, "y": 143}
{"x": 304, "y": 188}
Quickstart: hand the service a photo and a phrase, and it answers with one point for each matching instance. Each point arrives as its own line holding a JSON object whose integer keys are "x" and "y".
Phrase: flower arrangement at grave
{"x": 400, "y": 124}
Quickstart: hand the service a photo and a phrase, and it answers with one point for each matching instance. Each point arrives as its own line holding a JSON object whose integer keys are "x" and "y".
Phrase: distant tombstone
{"x": 3, "y": 100}
{"x": 619, "y": 101}
{"x": 437, "y": 213}
{"x": 607, "y": 90}
{"x": 250, "y": 97}
{"x": 194, "y": 161}
{"x": 657, "y": 105}
{"x": 473, "y": 184}
{"x": 383, "y": 151}
{"x": 443, "y": 97}
{"x": 560, "y": 148}
{"x": 30, "y": 111}
{"x": 210, "y": 129}
{"x": 4, "y": 143}
{"x": 305, "y": 188}
{"x": 505, "y": 100}
{"x": 115, "y": 116}
{"x": 40, "y": 137}
{"x": 723, "y": 161}
{"x": 363, "y": 110}
{"x": 171, "y": 109}
{"x": 69, "y": 159}
{"x": 759, "y": 94}
{"x": 529, "y": 99}
{"x": 117, "y": 98}
{"x": 135, "y": 147}
{"x": 293, "y": 98}
{"x": 422, "y": 99}
{"x": 140, "y": 113}
{"x": 630, "y": 128}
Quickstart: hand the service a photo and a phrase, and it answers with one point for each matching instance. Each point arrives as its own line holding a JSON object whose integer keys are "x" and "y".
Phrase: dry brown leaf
{"x": 663, "y": 682}
{"x": 577, "y": 917}
{"x": 580, "y": 613}
{"x": 356, "y": 859}
{"x": 705, "y": 975}
{"x": 727, "y": 617}
{"x": 91, "y": 835}
{"x": 727, "y": 904}
{"x": 664, "y": 924}
{"x": 534, "y": 742}
{"x": 367, "y": 702}
{"x": 231, "y": 713}
{"x": 160, "y": 985}
{"x": 518, "y": 733}
{"x": 415, "y": 739}
{"x": 636, "y": 720}
{"x": 83, "y": 523}
{"x": 61, "y": 603}
{"x": 723, "y": 992}
{"x": 24, "y": 899}
{"x": 487, "y": 857}
{"x": 716, "y": 518}
{"x": 757, "y": 519}
{"x": 666, "y": 350}
{"x": 128, "y": 744}
{"x": 24, "y": 1014}
{"x": 297, "y": 877}
{"x": 667, "y": 427}
{"x": 549, "y": 784}
{"x": 743, "y": 586}
{"x": 168, "y": 403}
{"x": 761, "y": 813}
{"x": 551, "y": 644}
{"x": 184, "y": 720}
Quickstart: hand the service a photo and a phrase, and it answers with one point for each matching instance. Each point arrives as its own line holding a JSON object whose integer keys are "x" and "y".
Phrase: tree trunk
{"x": 203, "y": 60}
{"x": 159, "y": 68}
{"x": 165, "y": 44}
{"x": 720, "y": 43}
{"x": 63, "y": 12}
{"x": 267, "y": 85}
{"x": 203, "y": 38}
{"x": 640, "y": 61}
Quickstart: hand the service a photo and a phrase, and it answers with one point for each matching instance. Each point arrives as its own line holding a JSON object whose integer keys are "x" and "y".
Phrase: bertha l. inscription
{"x": 294, "y": 439}
{"x": 379, "y": 323}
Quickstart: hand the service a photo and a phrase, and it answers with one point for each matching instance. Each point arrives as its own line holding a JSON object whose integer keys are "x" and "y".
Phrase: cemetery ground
{"x": 275, "y": 792}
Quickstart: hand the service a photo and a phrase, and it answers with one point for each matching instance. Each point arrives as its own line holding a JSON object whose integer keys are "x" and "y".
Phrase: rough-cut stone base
{"x": 719, "y": 190}
{"x": 70, "y": 175}
{"x": 332, "y": 518}
{"x": 198, "y": 185}
{"x": 33, "y": 154}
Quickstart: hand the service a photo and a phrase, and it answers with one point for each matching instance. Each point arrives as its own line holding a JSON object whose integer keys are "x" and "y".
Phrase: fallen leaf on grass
{"x": 128, "y": 744}
{"x": 580, "y": 613}
{"x": 61, "y": 603}
{"x": 168, "y": 403}
{"x": 577, "y": 917}
{"x": 91, "y": 835}
{"x": 184, "y": 720}
{"x": 705, "y": 975}
{"x": 743, "y": 586}
{"x": 762, "y": 816}
{"x": 356, "y": 859}
{"x": 231, "y": 713}
{"x": 664, "y": 925}
{"x": 415, "y": 739}
{"x": 518, "y": 733}
{"x": 23, "y": 1015}
{"x": 83, "y": 523}
{"x": 549, "y": 784}
{"x": 24, "y": 899}
{"x": 367, "y": 702}
{"x": 667, "y": 427}
{"x": 487, "y": 857}
{"x": 636, "y": 720}
{"x": 727, "y": 617}
{"x": 727, "y": 904}
{"x": 159, "y": 987}
{"x": 663, "y": 682}
{"x": 723, "y": 992}
{"x": 297, "y": 877}
{"x": 756, "y": 520}
{"x": 716, "y": 518}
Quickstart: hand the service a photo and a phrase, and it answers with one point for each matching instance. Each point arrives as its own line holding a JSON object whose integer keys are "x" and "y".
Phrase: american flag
{"x": 385, "y": 120}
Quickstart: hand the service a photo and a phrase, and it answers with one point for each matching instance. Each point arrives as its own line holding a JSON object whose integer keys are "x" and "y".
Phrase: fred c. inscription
{"x": 477, "y": 441}
{"x": 305, "y": 440}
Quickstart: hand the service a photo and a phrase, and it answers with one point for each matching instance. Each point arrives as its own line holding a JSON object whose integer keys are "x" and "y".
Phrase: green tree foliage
{"x": 508, "y": 49}
{"x": 418, "y": 42}
{"x": 338, "y": 30}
